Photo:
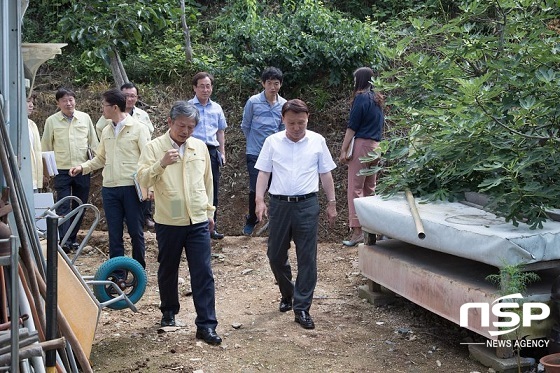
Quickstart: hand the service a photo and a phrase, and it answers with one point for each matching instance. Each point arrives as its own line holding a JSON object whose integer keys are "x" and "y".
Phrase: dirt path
{"x": 351, "y": 335}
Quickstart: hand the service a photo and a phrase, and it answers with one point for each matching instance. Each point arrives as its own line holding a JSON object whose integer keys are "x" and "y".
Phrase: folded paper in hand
{"x": 140, "y": 190}
{"x": 350, "y": 150}
{"x": 50, "y": 163}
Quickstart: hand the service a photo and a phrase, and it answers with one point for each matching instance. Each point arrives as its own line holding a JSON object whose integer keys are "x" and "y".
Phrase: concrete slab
{"x": 376, "y": 298}
{"x": 487, "y": 357}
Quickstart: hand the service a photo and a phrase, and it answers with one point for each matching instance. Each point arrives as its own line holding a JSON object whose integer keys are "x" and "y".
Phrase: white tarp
{"x": 460, "y": 230}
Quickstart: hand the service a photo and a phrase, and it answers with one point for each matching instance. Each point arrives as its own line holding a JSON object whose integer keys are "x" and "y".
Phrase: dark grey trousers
{"x": 297, "y": 221}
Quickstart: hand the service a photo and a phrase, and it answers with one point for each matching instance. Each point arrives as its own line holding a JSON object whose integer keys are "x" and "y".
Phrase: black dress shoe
{"x": 216, "y": 236}
{"x": 149, "y": 223}
{"x": 285, "y": 304}
{"x": 67, "y": 248}
{"x": 209, "y": 335}
{"x": 304, "y": 319}
{"x": 168, "y": 318}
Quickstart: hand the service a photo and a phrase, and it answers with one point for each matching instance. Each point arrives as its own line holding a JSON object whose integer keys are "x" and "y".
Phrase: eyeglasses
{"x": 131, "y": 96}
{"x": 107, "y": 105}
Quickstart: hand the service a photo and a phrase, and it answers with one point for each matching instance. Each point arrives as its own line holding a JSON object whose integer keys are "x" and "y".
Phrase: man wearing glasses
{"x": 211, "y": 130}
{"x": 130, "y": 91}
{"x": 118, "y": 154}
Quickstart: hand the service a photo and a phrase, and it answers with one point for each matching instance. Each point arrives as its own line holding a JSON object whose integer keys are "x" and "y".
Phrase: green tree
{"x": 303, "y": 38}
{"x": 105, "y": 27}
{"x": 476, "y": 100}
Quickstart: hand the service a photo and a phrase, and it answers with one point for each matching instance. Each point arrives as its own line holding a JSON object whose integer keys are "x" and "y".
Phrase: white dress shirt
{"x": 295, "y": 165}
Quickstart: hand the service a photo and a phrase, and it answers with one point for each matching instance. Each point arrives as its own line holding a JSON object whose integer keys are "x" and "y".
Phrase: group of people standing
{"x": 181, "y": 171}
{"x": 183, "y": 195}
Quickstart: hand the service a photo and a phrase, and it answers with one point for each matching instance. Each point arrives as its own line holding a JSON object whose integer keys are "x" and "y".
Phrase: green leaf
{"x": 545, "y": 75}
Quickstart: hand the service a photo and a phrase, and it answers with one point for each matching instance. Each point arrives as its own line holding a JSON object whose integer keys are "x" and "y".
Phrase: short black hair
{"x": 202, "y": 75}
{"x": 272, "y": 73}
{"x": 61, "y": 92}
{"x": 296, "y": 105}
{"x": 115, "y": 97}
{"x": 129, "y": 85}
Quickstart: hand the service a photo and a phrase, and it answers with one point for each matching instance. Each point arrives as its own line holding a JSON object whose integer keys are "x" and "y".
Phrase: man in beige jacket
{"x": 69, "y": 133}
{"x": 118, "y": 153}
{"x": 130, "y": 91}
{"x": 178, "y": 168}
{"x": 36, "y": 155}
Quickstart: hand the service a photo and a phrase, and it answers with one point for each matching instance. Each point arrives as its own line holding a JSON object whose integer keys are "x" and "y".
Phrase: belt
{"x": 211, "y": 147}
{"x": 293, "y": 198}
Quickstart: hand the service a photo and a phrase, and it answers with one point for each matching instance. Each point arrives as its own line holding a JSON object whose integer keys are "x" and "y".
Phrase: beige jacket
{"x": 69, "y": 140}
{"x": 183, "y": 191}
{"x": 119, "y": 155}
{"x": 36, "y": 155}
{"x": 137, "y": 113}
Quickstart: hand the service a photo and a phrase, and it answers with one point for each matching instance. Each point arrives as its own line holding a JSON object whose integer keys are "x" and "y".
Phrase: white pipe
{"x": 25, "y": 309}
{"x": 415, "y": 215}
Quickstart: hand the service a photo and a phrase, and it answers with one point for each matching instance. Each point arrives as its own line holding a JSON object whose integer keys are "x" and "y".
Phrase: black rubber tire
{"x": 132, "y": 280}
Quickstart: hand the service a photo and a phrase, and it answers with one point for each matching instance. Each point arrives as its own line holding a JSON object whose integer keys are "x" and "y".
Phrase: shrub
{"x": 307, "y": 41}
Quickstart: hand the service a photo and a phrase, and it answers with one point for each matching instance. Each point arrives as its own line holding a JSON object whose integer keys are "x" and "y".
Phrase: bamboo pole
{"x": 415, "y": 215}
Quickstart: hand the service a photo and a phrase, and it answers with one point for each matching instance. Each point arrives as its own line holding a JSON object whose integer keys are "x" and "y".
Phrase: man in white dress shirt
{"x": 298, "y": 158}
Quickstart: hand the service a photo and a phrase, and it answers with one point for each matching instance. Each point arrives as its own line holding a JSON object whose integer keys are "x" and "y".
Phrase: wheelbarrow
{"x": 119, "y": 282}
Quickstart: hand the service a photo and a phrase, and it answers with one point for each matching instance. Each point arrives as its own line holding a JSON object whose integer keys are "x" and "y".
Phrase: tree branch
{"x": 497, "y": 121}
{"x": 186, "y": 33}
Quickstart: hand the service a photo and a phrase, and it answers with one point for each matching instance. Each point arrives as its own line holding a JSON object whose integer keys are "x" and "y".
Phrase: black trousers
{"x": 297, "y": 221}
{"x": 195, "y": 240}
{"x": 253, "y": 175}
{"x": 66, "y": 185}
{"x": 146, "y": 209}
{"x": 121, "y": 204}
{"x": 216, "y": 160}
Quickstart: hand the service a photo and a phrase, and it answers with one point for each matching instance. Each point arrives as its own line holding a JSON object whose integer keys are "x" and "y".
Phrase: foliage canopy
{"x": 472, "y": 86}
{"x": 480, "y": 96}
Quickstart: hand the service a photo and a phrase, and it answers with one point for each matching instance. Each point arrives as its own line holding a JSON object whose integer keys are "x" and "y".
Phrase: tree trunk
{"x": 117, "y": 68}
{"x": 186, "y": 34}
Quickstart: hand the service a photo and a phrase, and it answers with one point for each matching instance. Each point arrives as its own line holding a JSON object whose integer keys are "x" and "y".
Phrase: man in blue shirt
{"x": 262, "y": 116}
{"x": 210, "y": 129}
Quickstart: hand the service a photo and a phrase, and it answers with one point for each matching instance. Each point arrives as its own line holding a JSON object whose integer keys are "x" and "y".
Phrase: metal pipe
{"x": 14, "y": 305}
{"x": 25, "y": 254}
{"x": 52, "y": 283}
{"x": 3, "y": 298}
{"x": 415, "y": 214}
{"x": 27, "y": 308}
{"x": 24, "y": 221}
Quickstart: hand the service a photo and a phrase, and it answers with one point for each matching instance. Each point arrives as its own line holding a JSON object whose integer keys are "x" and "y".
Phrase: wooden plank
{"x": 80, "y": 309}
